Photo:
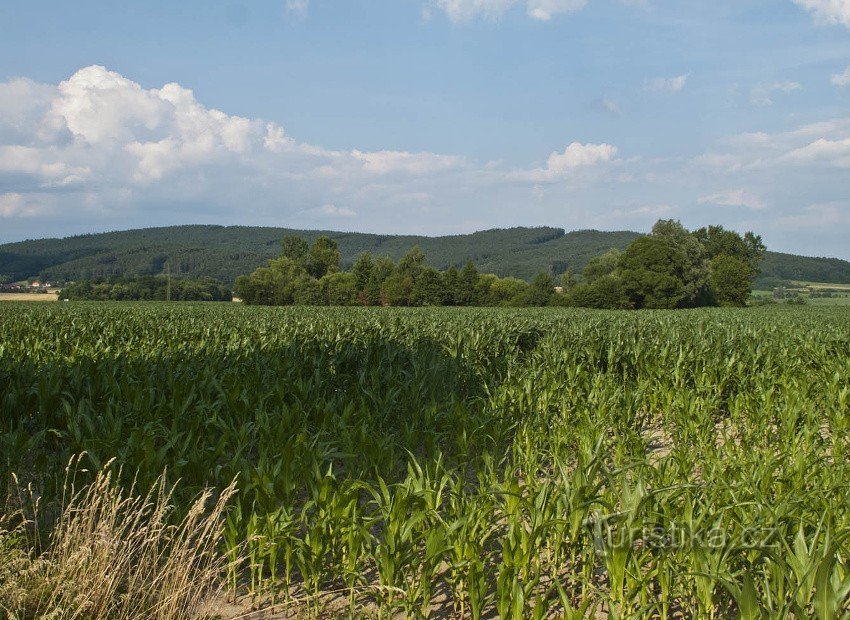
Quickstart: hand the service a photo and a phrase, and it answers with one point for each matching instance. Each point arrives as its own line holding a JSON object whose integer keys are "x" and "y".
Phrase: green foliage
{"x": 691, "y": 266}
{"x": 568, "y": 281}
{"x": 670, "y": 268}
{"x": 149, "y": 288}
{"x": 604, "y": 292}
{"x": 324, "y": 257}
{"x": 717, "y": 242}
{"x": 653, "y": 272}
{"x": 292, "y": 279}
{"x": 541, "y": 291}
{"x": 601, "y": 266}
{"x": 730, "y": 280}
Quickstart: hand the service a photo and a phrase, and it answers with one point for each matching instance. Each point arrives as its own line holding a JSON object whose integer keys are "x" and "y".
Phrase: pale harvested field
{"x": 28, "y": 296}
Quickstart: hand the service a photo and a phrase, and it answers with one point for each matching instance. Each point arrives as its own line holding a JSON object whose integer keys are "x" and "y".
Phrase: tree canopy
{"x": 669, "y": 268}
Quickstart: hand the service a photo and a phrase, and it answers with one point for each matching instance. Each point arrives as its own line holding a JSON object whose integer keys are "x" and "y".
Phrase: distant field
{"x": 28, "y": 296}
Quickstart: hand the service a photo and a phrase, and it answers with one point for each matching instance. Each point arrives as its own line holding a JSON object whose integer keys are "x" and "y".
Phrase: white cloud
{"x": 828, "y": 11}
{"x": 464, "y": 10}
{"x": 385, "y": 162}
{"x": 99, "y": 145}
{"x": 825, "y": 144}
{"x": 297, "y": 8}
{"x": 734, "y": 198}
{"x": 841, "y": 79}
{"x": 334, "y": 211}
{"x": 17, "y": 205}
{"x": 816, "y": 218}
{"x": 575, "y": 157}
{"x": 100, "y": 151}
{"x": 667, "y": 84}
{"x": 830, "y": 152}
{"x": 610, "y": 106}
{"x": 761, "y": 94}
{"x": 545, "y": 9}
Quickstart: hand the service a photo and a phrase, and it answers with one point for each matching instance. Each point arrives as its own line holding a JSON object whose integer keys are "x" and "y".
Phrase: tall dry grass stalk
{"x": 115, "y": 554}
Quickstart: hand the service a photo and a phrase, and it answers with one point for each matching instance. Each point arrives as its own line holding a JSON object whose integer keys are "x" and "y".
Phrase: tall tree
{"x": 295, "y": 248}
{"x": 718, "y": 241}
{"x": 601, "y": 266}
{"x": 652, "y": 270}
{"x": 541, "y": 290}
{"x": 467, "y": 283}
{"x": 730, "y": 280}
{"x": 362, "y": 270}
{"x": 691, "y": 265}
{"x": 324, "y": 257}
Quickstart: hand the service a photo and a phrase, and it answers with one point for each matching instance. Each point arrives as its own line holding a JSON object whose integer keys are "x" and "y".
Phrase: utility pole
{"x": 168, "y": 281}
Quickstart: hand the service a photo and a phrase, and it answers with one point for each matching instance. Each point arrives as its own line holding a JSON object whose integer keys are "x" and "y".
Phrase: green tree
{"x": 718, "y": 241}
{"x": 730, "y": 280}
{"x": 652, "y": 273}
{"x": 362, "y": 270}
{"x": 397, "y": 290}
{"x": 412, "y": 263}
{"x": 307, "y": 291}
{"x": 324, "y": 257}
{"x": 601, "y": 266}
{"x": 382, "y": 269}
{"x": 541, "y": 290}
{"x": 483, "y": 290}
{"x": 508, "y": 292}
{"x": 604, "y": 292}
{"x": 295, "y": 248}
{"x": 339, "y": 289}
{"x": 568, "y": 281}
{"x": 691, "y": 263}
{"x": 427, "y": 288}
{"x": 451, "y": 286}
{"x": 467, "y": 283}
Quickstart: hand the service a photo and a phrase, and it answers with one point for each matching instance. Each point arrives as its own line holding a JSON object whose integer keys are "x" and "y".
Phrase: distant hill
{"x": 224, "y": 252}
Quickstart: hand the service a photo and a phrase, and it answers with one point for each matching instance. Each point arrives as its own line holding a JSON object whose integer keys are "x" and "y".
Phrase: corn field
{"x": 463, "y": 463}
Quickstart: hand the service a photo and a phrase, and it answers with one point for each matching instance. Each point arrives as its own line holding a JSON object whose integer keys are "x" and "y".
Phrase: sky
{"x": 428, "y": 116}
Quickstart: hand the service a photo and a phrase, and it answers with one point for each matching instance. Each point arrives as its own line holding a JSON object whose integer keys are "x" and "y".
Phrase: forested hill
{"x": 225, "y": 252}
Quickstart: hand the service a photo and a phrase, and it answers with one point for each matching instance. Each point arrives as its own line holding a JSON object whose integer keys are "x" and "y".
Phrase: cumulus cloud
{"x": 828, "y": 11}
{"x": 574, "y": 158}
{"x": 99, "y": 150}
{"x": 99, "y": 145}
{"x": 761, "y": 94}
{"x": 667, "y": 84}
{"x": 734, "y": 198}
{"x": 841, "y": 79}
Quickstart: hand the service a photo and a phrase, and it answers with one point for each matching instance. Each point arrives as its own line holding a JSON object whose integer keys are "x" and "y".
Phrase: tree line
{"x": 669, "y": 268}
{"x": 147, "y": 288}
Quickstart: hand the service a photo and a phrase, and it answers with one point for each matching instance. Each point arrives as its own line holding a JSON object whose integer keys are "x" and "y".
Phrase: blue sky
{"x": 428, "y": 116}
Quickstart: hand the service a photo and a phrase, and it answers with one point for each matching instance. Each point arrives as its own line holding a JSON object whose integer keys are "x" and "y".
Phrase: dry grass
{"x": 29, "y": 296}
{"x": 114, "y": 555}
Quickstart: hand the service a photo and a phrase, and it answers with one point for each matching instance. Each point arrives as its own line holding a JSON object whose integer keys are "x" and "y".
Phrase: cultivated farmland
{"x": 457, "y": 462}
